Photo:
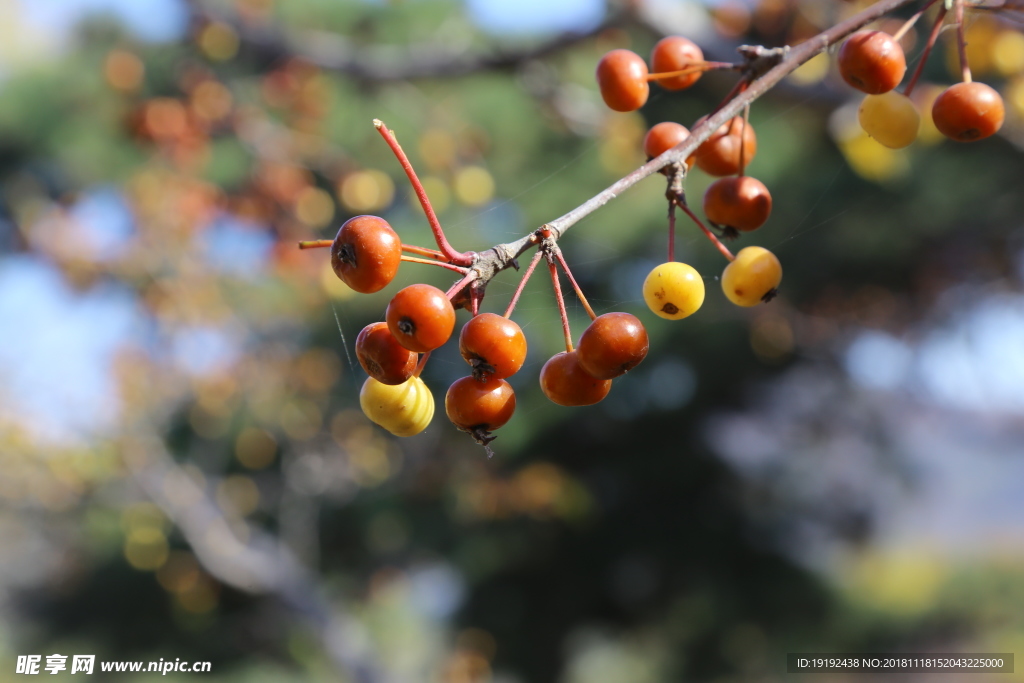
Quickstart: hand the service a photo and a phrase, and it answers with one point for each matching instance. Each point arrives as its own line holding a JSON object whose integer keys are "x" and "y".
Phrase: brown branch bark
{"x": 259, "y": 564}
{"x": 499, "y": 257}
{"x": 383, "y": 64}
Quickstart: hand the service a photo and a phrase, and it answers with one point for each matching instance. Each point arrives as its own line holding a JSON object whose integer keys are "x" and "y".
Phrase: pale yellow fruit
{"x": 890, "y": 118}
{"x": 403, "y": 409}
{"x": 674, "y": 290}
{"x": 755, "y": 272}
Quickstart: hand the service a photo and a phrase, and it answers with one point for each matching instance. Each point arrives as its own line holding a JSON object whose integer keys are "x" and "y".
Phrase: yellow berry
{"x": 403, "y": 409}
{"x": 674, "y": 290}
{"x": 891, "y": 118}
{"x": 754, "y": 274}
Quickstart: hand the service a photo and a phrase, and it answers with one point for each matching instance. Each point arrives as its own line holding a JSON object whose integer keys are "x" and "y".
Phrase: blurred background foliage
{"x": 187, "y": 474}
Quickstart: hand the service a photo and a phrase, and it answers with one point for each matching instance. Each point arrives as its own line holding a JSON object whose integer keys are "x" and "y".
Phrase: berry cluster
{"x": 873, "y": 62}
{"x": 366, "y": 255}
{"x": 734, "y": 204}
{"x": 367, "y": 252}
{"x": 420, "y": 318}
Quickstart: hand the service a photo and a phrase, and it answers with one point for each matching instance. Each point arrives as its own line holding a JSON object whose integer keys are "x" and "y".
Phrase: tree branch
{"x": 382, "y": 64}
{"x": 489, "y": 263}
{"x": 261, "y": 564}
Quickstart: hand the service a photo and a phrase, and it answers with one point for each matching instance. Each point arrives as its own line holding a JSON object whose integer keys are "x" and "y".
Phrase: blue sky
{"x": 152, "y": 20}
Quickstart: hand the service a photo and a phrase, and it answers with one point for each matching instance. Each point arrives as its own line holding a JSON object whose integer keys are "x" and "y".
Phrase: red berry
{"x": 675, "y": 53}
{"x": 743, "y": 203}
{"x": 612, "y": 345}
{"x": 566, "y": 383}
{"x": 622, "y": 78}
{"x": 366, "y": 253}
{"x": 421, "y": 318}
{"x": 720, "y": 153}
{"x": 474, "y": 405}
{"x": 495, "y": 346}
{"x": 968, "y": 111}
{"x": 382, "y": 356}
{"x": 872, "y": 62}
{"x": 663, "y": 137}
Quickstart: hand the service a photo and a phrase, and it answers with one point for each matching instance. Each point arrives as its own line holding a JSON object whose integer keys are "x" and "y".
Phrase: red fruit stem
{"x": 579, "y": 292}
{"x": 909, "y": 24}
{"x": 694, "y": 68}
{"x": 457, "y": 269}
{"x": 461, "y": 284}
{"x": 740, "y": 86}
{"x": 797, "y": 55}
{"x": 421, "y": 364}
{"x": 743, "y": 132}
{"x": 315, "y": 244}
{"x": 961, "y": 42}
{"x": 423, "y": 251}
{"x": 710, "y": 235}
{"x": 671, "y": 231}
{"x": 522, "y": 283}
{"x": 561, "y": 305}
{"x": 936, "y": 28}
{"x": 458, "y": 258}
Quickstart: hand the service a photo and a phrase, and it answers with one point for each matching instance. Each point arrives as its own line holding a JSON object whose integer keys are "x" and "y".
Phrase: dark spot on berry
{"x": 347, "y": 254}
{"x": 970, "y": 134}
{"x": 373, "y": 367}
{"x": 482, "y": 370}
{"x": 407, "y": 326}
{"x": 769, "y": 295}
{"x": 670, "y": 308}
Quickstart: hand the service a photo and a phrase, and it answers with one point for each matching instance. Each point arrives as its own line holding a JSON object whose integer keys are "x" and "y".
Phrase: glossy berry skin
{"x": 421, "y": 318}
{"x": 890, "y": 118}
{"x": 612, "y": 345}
{"x": 382, "y": 357}
{"x": 872, "y": 62}
{"x": 366, "y": 253}
{"x": 675, "y": 53}
{"x": 622, "y": 79}
{"x": 474, "y": 405}
{"x": 674, "y": 290}
{"x": 663, "y": 137}
{"x": 403, "y": 409}
{"x": 494, "y": 345}
{"x": 753, "y": 277}
{"x": 968, "y": 111}
{"x": 720, "y": 153}
{"x": 740, "y": 202}
{"x": 565, "y": 382}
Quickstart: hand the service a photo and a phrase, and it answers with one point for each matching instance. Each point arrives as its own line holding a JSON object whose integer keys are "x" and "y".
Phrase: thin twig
{"x": 909, "y": 23}
{"x": 579, "y": 291}
{"x": 449, "y": 253}
{"x": 522, "y": 283}
{"x": 315, "y": 244}
{"x": 961, "y": 40}
{"x": 671, "y": 231}
{"x": 422, "y": 251}
{"x": 442, "y": 264}
{"x": 422, "y": 363}
{"x": 936, "y": 28}
{"x": 743, "y": 134}
{"x": 698, "y": 67}
{"x": 561, "y": 304}
{"x": 710, "y": 235}
{"x": 461, "y": 284}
